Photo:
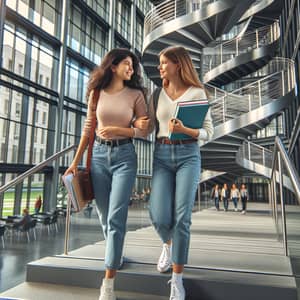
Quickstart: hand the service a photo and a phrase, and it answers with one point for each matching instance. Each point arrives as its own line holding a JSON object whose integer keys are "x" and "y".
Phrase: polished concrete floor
{"x": 84, "y": 231}
{"x": 213, "y": 235}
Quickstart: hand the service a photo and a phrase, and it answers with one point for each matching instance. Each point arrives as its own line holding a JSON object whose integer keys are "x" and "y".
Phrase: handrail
{"x": 290, "y": 169}
{"x": 240, "y": 44}
{"x": 34, "y": 169}
{"x": 281, "y": 157}
{"x": 295, "y": 133}
{"x": 170, "y": 10}
{"x": 256, "y": 94}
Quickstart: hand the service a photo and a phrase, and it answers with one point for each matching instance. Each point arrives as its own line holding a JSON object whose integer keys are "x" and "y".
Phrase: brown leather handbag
{"x": 82, "y": 182}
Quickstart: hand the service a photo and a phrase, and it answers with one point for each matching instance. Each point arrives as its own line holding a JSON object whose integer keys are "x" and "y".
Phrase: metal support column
{"x": 283, "y": 217}
{"x": 61, "y": 90}
{"x": 133, "y": 26}
{"x": 2, "y": 20}
{"x": 111, "y": 36}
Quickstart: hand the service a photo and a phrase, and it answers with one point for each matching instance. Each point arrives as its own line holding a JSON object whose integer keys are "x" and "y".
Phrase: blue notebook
{"x": 191, "y": 114}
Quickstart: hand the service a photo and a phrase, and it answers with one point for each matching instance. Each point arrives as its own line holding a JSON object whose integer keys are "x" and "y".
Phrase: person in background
{"x": 216, "y": 195}
{"x": 234, "y": 196}
{"x": 26, "y": 218}
{"x": 114, "y": 161}
{"x": 225, "y": 196}
{"x": 244, "y": 198}
{"x": 38, "y": 204}
{"x": 176, "y": 164}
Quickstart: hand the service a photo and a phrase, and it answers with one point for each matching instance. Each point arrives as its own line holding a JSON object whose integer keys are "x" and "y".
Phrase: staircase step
{"x": 142, "y": 278}
{"x": 38, "y": 291}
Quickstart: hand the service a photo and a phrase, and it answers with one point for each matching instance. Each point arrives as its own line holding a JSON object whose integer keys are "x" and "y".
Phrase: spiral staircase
{"x": 247, "y": 61}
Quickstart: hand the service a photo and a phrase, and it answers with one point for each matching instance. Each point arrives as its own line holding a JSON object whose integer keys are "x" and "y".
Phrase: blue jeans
{"x": 176, "y": 173}
{"x": 217, "y": 205}
{"x": 235, "y": 202}
{"x": 113, "y": 171}
{"x": 225, "y": 203}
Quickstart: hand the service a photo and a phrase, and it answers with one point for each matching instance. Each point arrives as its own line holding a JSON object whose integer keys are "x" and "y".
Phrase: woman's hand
{"x": 176, "y": 126}
{"x": 142, "y": 123}
{"x": 109, "y": 132}
{"x": 72, "y": 169}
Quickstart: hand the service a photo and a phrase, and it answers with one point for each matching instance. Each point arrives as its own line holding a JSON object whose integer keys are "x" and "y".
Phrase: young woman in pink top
{"x": 114, "y": 162}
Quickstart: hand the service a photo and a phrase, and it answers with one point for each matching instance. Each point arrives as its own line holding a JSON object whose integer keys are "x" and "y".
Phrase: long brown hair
{"x": 187, "y": 72}
{"x": 102, "y": 75}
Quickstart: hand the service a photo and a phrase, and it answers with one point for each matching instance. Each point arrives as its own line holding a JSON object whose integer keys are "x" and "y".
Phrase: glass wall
{"x": 45, "y": 14}
{"x": 29, "y": 87}
{"x": 123, "y": 12}
{"x": 86, "y": 36}
{"x": 30, "y": 57}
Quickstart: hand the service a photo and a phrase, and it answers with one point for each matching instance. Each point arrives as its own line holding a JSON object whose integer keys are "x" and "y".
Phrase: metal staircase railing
{"x": 255, "y": 153}
{"x": 254, "y": 95}
{"x": 35, "y": 169}
{"x": 170, "y": 10}
{"x": 228, "y": 50}
{"x": 281, "y": 171}
{"x": 282, "y": 165}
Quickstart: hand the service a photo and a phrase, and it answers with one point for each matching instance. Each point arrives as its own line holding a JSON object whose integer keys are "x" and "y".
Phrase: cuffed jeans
{"x": 113, "y": 171}
{"x": 176, "y": 173}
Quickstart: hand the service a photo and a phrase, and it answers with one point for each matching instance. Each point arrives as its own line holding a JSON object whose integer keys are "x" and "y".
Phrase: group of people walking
{"x": 234, "y": 194}
{"x": 122, "y": 114}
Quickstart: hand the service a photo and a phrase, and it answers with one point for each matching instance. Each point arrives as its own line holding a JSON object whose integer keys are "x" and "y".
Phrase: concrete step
{"x": 144, "y": 279}
{"x": 43, "y": 291}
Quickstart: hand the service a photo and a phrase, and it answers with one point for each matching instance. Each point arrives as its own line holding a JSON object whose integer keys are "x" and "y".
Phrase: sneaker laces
{"x": 175, "y": 290}
{"x": 165, "y": 255}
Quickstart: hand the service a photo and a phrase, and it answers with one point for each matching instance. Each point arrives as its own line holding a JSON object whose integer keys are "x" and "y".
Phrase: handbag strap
{"x": 93, "y": 128}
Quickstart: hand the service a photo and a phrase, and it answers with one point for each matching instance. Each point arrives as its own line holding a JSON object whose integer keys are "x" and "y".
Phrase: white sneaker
{"x": 243, "y": 212}
{"x": 164, "y": 262}
{"x": 235, "y": 209}
{"x": 177, "y": 290}
{"x": 107, "y": 290}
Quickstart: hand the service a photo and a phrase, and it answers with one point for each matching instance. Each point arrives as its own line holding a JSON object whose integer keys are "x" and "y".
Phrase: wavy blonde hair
{"x": 187, "y": 72}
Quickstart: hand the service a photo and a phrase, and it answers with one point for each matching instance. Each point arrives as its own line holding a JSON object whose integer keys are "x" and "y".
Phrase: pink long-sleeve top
{"x": 118, "y": 109}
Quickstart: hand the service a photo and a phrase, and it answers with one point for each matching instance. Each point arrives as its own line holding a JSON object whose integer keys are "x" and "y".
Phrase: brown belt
{"x": 175, "y": 142}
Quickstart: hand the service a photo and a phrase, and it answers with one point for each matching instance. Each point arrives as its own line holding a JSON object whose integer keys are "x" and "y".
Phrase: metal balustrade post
{"x": 271, "y": 33}
{"x": 283, "y": 83}
{"x": 224, "y": 118}
{"x": 264, "y": 158}
{"x": 271, "y": 198}
{"x": 249, "y": 101}
{"x": 259, "y": 93}
{"x": 256, "y": 34}
{"x": 289, "y": 79}
{"x": 237, "y": 47}
{"x": 67, "y": 229}
{"x": 275, "y": 199}
{"x": 221, "y": 53}
{"x": 283, "y": 216}
{"x": 249, "y": 151}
